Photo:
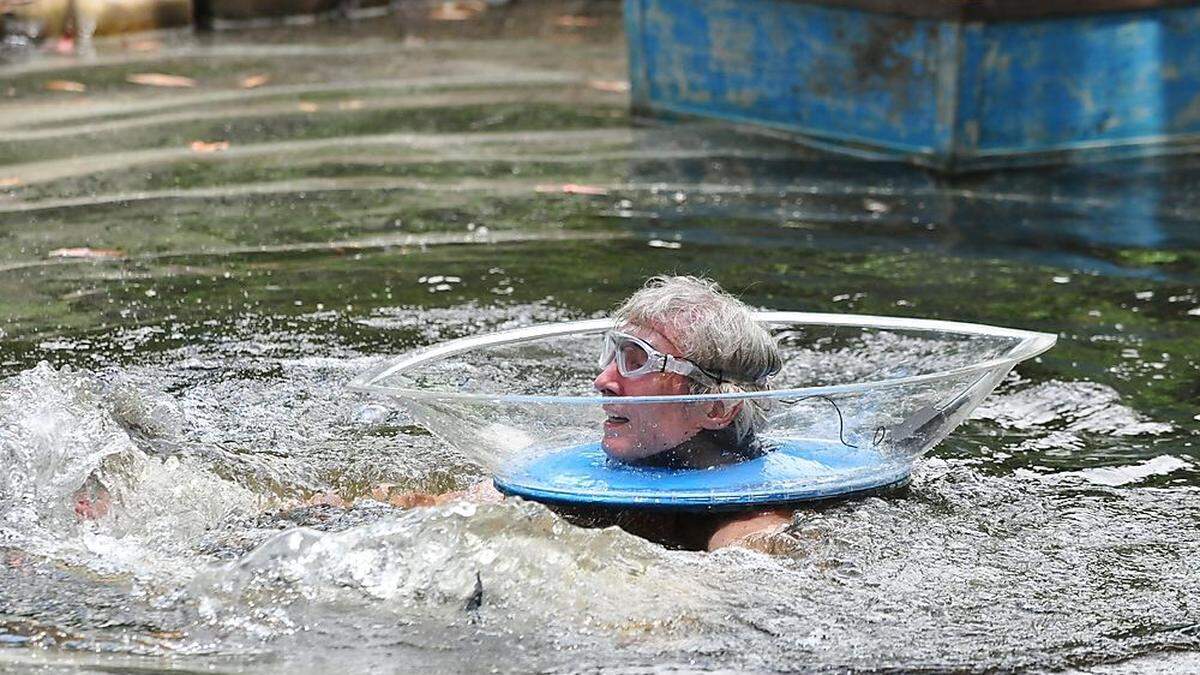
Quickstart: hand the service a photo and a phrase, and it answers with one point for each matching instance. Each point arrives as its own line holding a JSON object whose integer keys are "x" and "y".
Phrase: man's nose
{"x": 609, "y": 380}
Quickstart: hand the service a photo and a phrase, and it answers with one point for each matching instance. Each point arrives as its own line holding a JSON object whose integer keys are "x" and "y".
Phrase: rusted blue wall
{"x": 944, "y": 92}
{"x": 1110, "y": 80}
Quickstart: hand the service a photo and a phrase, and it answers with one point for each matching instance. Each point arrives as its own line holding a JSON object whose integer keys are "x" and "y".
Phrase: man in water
{"x": 681, "y": 336}
{"x": 676, "y": 336}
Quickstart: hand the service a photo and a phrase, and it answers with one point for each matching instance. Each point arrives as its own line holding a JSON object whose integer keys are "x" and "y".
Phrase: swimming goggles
{"x": 635, "y": 358}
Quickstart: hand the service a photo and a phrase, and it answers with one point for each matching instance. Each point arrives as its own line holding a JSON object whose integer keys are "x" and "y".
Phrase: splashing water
{"x": 200, "y": 314}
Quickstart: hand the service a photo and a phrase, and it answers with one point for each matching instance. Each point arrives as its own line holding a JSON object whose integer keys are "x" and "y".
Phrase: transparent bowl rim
{"x": 1029, "y": 344}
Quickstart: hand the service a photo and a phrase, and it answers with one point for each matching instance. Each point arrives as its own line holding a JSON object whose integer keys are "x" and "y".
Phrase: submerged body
{"x": 681, "y": 529}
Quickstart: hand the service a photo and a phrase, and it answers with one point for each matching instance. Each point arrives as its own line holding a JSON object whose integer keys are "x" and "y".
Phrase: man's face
{"x": 635, "y": 431}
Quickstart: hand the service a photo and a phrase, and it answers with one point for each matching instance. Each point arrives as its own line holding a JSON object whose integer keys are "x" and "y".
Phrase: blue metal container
{"x": 948, "y": 84}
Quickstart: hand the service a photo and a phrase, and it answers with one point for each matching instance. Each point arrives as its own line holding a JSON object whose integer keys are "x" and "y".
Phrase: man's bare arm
{"x": 483, "y": 492}
{"x": 752, "y": 530}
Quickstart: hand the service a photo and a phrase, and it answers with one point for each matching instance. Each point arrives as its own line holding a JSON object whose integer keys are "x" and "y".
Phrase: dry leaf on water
{"x": 573, "y": 189}
{"x": 252, "y": 81}
{"x": 10, "y": 181}
{"x": 457, "y": 11}
{"x": 87, "y": 252}
{"x": 613, "y": 86}
{"x": 205, "y": 146}
{"x": 352, "y": 104}
{"x": 576, "y": 21}
{"x": 66, "y": 85}
{"x": 308, "y": 107}
{"x": 160, "y": 80}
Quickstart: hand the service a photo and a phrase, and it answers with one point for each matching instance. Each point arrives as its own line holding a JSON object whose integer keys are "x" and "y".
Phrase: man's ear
{"x": 721, "y": 414}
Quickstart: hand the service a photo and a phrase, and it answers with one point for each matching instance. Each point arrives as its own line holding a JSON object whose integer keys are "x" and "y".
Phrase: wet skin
{"x": 633, "y": 432}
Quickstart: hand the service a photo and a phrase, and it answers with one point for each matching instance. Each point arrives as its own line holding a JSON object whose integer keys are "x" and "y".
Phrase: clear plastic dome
{"x": 858, "y": 400}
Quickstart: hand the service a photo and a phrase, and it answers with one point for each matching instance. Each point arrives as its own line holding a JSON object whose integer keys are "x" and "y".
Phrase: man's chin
{"x": 614, "y": 448}
{"x": 623, "y": 450}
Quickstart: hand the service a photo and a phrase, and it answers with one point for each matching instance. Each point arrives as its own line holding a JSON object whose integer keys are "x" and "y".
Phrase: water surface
{"x": 396, "y": 183}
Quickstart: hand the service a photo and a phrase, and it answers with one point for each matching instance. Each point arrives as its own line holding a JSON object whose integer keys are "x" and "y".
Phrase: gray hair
{"x": 717, "y": 332}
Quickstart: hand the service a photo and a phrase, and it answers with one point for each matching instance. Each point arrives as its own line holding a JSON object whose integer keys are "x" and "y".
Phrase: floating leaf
{"x": 352, "y": 104}
{"x": 66, "y": 85}
{"x": 457, "y": 11}
{"x": 161, "y": 80}
{"x": 576, "y": 21}
{"x": 614, "y": 86}
{"x": 308, "y": 107}
{"x": 87, "y": 252}
{"x": 252, "y": 81}
{"x": 10, "y": 181}
{"x": 207, "y": 146}
{"x": 573, "y": 189}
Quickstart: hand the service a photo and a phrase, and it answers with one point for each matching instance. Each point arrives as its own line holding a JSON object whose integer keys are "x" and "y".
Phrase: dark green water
{"x": 197, "y": 360}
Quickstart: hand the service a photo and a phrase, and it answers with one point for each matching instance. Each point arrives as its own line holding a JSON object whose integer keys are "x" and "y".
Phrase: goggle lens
{"x": 630, "y": 356}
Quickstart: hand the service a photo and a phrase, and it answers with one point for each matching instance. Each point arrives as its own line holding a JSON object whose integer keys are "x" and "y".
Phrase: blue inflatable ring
{"x": 795, "y": 471}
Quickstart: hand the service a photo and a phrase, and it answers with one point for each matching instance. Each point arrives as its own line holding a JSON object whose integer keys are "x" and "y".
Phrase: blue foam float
{"x": 795, "y": 471}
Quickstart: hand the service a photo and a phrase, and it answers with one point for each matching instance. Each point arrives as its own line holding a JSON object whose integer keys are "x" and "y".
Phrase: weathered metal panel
{"x": 996, "y": 10}
{"x": 825, "y": 72}
{"x": 950, "y": 92}
{"x": 1114, "y": 80}
{"x": 635, "y": 36}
